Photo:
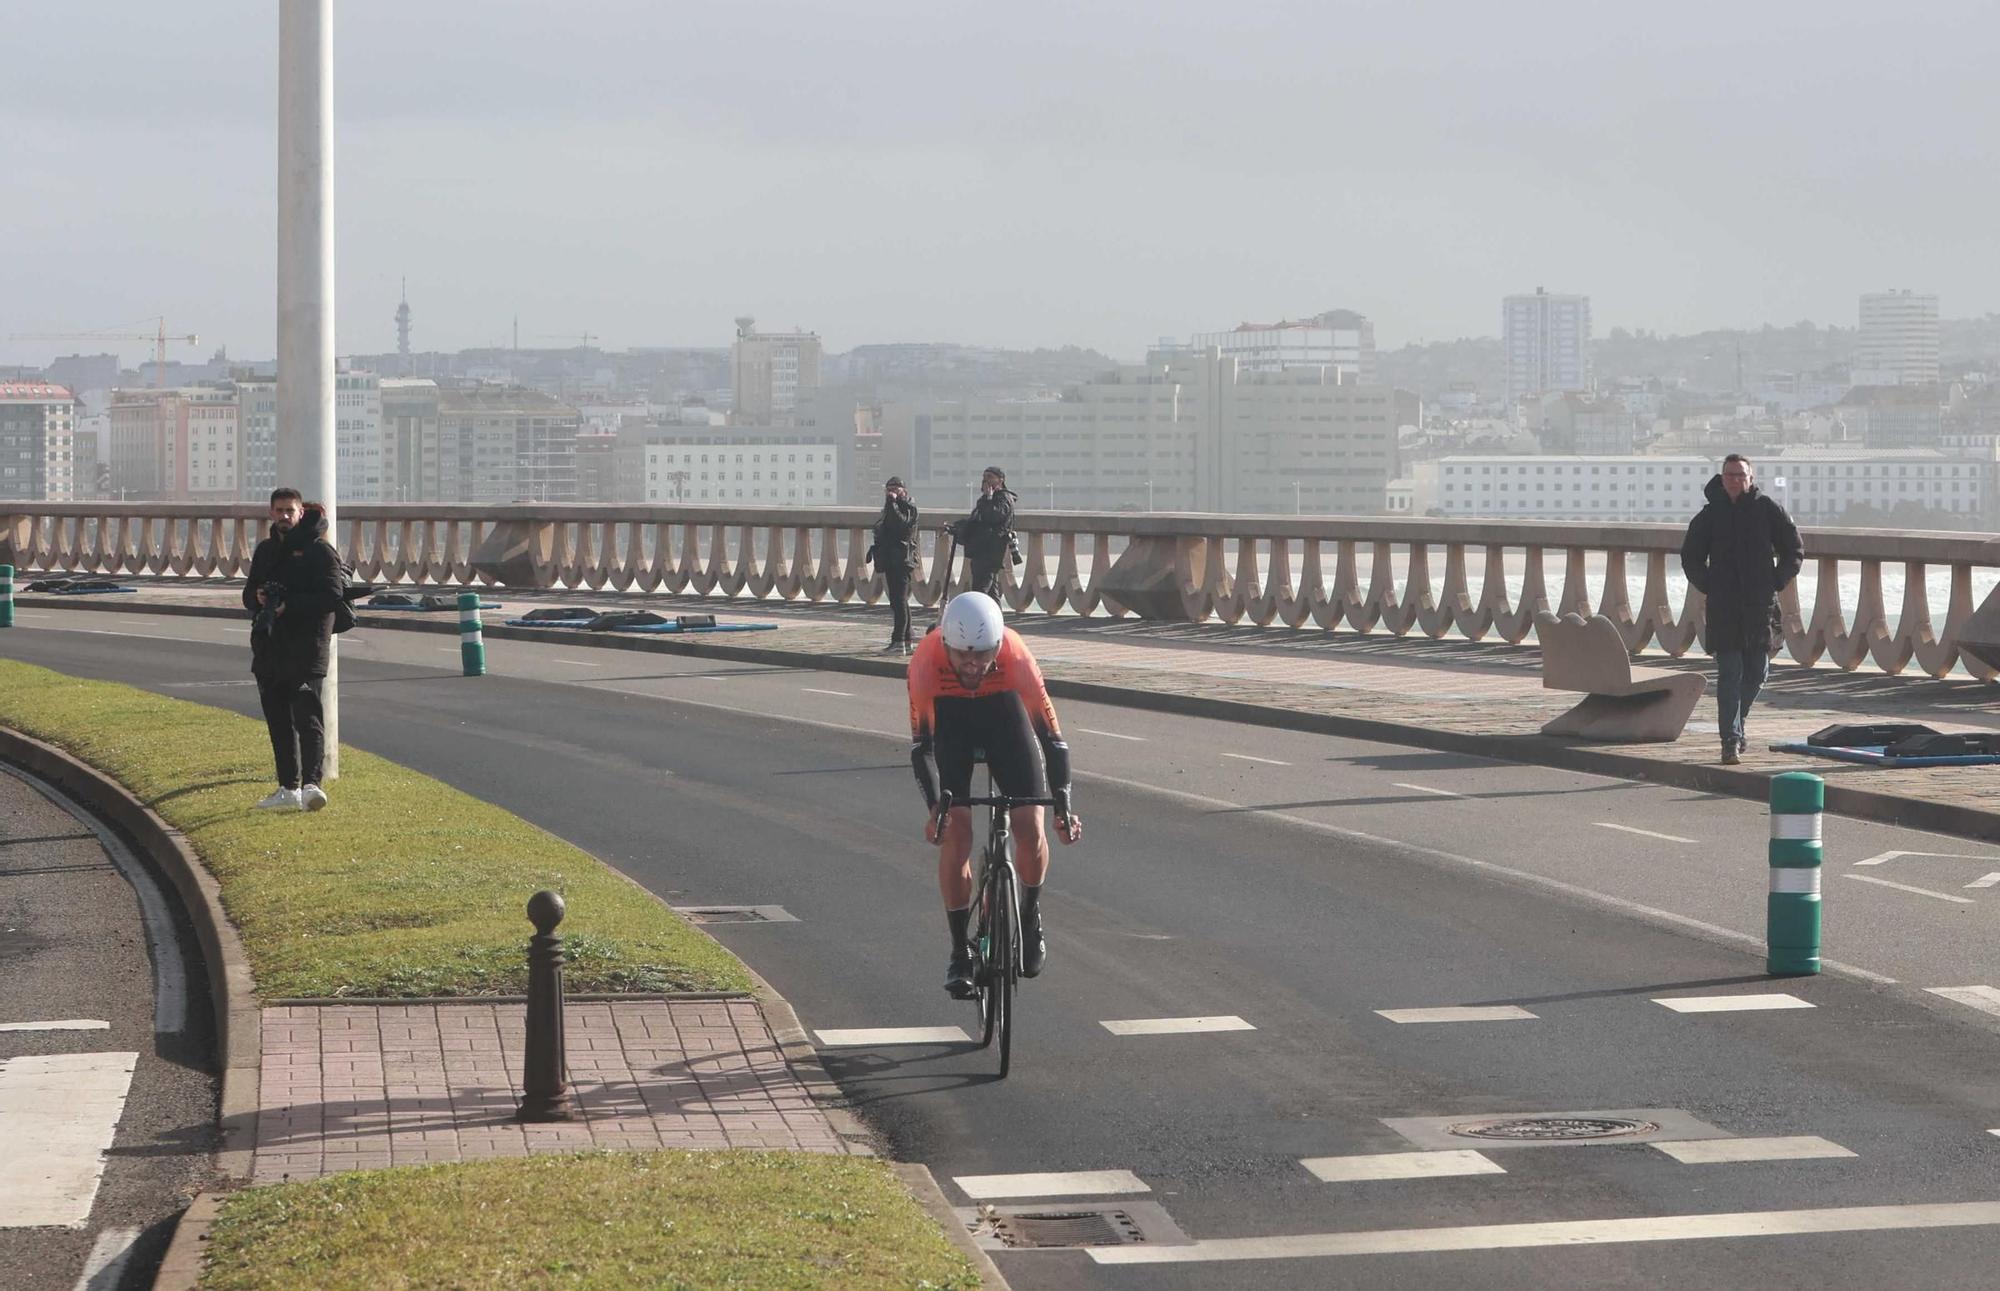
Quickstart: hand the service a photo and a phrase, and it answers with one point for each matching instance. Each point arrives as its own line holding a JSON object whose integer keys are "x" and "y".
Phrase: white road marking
{"x": 578, "y": 663}
{"x": 844, "y": 694}
{"x": 1731, "y": 1003}
{"x": 66, "y": 1024}
{"x": 1072, "y": 1183}
{"x": 1644, "y": 833}
{"x": 104, "y": 1268}
{"x": 1798, "y": 1147}
{"x": 1904, "y": 887}
{"x": 1175, "y": 1026}
{"x": 852, "y": 1036}
{"x": 1983, "y": 998}
{"x": 1464, "y": 1013}
{"x": 1401, "y": 1165}
{"x": 1655, "y": 914}
{"x": 32, "y": 614}
{"x": 62, "y": 1112}
{"x": 1588, "y": 1232}
{"x": 1245, "y": 757}
{"x": 1136, "y": 739}
{"x": 1951, "y": 856}
{"x": 241, "y": 631}
{"x": 1424, "y": 788}
{"x": 170, "y": 990}
{"x": 1985, "y": 880}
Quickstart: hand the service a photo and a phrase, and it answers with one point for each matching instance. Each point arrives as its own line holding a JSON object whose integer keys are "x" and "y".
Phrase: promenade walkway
{"x": 1472, "y": 697}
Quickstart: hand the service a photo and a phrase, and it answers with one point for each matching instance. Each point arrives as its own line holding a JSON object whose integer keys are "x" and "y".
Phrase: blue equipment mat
{"x": 421, "y": 609}
{"x": 670, "y": 626}
{"x": 91, "y": 590}
{"x": 1874, "y": 755}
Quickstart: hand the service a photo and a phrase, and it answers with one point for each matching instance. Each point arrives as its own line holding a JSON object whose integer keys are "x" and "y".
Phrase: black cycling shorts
{"x": 996, "y": 726}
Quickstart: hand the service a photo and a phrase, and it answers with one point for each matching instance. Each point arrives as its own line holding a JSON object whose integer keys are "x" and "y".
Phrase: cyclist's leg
{"x": 1015, "y": 756}
{"x": 953, "y": 748}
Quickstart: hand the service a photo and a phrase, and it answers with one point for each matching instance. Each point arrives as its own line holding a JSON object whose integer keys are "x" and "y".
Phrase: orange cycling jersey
{"x": 932, "y": 678}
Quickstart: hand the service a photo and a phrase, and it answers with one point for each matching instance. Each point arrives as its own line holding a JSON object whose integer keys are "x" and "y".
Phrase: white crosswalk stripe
{"x": 58, "y": 1115}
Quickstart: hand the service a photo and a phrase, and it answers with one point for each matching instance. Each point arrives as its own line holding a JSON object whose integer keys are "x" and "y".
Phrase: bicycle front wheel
{"x": 1007, "y": 963}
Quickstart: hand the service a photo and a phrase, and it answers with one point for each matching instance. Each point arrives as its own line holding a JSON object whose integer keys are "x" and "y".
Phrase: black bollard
{"x": 544, "y": 1090}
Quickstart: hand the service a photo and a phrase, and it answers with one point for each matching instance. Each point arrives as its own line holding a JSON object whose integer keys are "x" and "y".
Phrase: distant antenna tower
{"x": 403, "y": 328}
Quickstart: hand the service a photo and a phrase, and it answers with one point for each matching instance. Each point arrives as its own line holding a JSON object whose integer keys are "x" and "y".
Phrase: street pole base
{"x": 555, "y": 1107}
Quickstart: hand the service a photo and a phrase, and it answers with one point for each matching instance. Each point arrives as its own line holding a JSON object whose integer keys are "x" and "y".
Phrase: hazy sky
{"x": 1016, "y": 174}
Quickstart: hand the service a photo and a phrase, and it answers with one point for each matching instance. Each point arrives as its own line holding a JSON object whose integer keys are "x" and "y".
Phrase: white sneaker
{"x": 284, "y": 800}
{"x": 313, "y": 797}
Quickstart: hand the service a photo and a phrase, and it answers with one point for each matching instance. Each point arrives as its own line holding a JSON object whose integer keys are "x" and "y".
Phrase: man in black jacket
{"x": 1741, "y": 550}
{"x": 895, "y": 556}
{"x": 988, "y": 533}
{"x": 293, "y": 588}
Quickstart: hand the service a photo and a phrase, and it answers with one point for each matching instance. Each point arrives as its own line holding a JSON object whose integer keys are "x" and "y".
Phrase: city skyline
{"x": 887, "y": 173}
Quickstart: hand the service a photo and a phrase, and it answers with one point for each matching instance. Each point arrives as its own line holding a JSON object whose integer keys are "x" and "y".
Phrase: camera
{"x": 267, "y": 617}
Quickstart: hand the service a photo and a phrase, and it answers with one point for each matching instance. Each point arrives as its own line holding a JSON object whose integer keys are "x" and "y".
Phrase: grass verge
{"x": 764, "y": 1220}
{"x": 401, "y": 886}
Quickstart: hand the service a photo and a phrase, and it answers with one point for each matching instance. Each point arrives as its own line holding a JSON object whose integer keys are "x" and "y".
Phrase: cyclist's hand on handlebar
{"x": 933, "y": 826}
{"x": 1069, "y": 828}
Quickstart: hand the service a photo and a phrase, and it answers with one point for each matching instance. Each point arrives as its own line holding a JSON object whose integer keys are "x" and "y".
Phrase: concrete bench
{"x": 1621, "y": 704}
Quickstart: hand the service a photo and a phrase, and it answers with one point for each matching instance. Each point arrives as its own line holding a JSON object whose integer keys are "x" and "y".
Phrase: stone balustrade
{"x": 1364, "y": 574}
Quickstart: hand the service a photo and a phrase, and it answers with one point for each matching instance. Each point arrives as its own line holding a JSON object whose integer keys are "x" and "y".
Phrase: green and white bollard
{"x": 6, "y": 596}
{"x": 471, "y": 644}
{"x": 1791, "y": 926}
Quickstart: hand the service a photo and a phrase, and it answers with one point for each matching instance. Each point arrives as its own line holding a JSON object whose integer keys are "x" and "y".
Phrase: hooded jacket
{"x": 895, "y": 536}
{"x": 1740, "y": 555}
{"x": 984, "y": 533}
{"x": 306, "y": 566}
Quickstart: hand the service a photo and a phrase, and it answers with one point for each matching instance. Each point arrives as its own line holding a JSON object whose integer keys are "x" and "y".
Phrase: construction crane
{"x": 588, "y": 337}
{"x": 158, "y": 337}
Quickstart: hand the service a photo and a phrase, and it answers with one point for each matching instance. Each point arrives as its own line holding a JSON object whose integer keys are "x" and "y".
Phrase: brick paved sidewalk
{"x": 358, "y": 1086}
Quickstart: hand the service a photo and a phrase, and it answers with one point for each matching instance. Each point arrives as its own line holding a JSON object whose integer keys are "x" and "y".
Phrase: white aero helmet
{"x": 972, "y": 622}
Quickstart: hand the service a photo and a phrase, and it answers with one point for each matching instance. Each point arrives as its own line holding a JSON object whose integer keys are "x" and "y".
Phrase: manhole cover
{"x": 1553, "y": 1128}
{"x": 1067, "y": 1228}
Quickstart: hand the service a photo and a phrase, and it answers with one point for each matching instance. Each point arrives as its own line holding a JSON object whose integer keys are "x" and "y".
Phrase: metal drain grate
{"x": 723, "y": 914}
{"x": 1545, "y": 1129}
{"x": 1042, "y": 1229}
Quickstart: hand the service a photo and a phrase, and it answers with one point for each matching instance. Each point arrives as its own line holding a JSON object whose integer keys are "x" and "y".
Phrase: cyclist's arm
{"x": 1042, "y": 714}
{"x": 920, "y": 733}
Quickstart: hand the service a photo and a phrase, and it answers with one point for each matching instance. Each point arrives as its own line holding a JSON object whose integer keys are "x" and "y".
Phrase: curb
{"x": 1532, "y": 750}
{"x": 231, "y": 990}
{"x": 924, "y": 1187}
{"x": 180, "y": 1270}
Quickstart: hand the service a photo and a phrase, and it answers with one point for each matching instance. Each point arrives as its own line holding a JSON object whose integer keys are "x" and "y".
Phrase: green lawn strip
{"x": 401, "y": 886}
{"x": 764, "y": 1220}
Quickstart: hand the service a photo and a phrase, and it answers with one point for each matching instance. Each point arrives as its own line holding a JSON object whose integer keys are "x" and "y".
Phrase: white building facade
{"x": 365, "y": 473}
{"x": 1339, "y": 338}
{"x": 742, "y": 470}
{"x": 1546, "y": 340}
{"x": 1821, "y": 486}
{"x": 1603, "y": 488}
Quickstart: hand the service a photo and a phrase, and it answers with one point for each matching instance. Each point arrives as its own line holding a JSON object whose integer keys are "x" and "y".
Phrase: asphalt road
{"x": 1301, "y": 885}
{"x": 80, "y": 924}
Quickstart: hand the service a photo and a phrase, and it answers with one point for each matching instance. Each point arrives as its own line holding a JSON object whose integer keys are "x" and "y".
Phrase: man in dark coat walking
{"x": 1741, "y": 550}
{"x": 895, "y": 557}
{"x": 293, "y": 589}
{"x": 988, "y": 533}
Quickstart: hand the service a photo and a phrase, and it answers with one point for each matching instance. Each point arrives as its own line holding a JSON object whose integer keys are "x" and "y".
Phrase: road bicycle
{"x": 996, "y": 919}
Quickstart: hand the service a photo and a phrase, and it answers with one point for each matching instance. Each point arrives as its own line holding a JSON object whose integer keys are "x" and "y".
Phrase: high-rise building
{"x": 37, "y": 442}
{"x": 771, "y": 373}
{"x": 257, "y": 422}
{"x": 1546, "y": 340}
{"x": 505, "y": 444}
{"x": 1338, "y": 338}
{"x": 362, "y": 471}
{"x": 410, "y": 439}
{"x": 1898, "y": 345}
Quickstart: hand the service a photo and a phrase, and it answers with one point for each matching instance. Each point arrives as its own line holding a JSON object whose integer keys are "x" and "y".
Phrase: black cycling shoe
{"x": 1034, "y": 947}
{"x": 960, "y": 975}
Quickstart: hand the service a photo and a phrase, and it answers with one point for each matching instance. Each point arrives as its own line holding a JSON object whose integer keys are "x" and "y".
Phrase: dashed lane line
{"x": 64, "y": 1024}
{"x": 577, "y": 663}
{"x": 1064, "y": 1183}
{"x": 1424, "y": 788}
{"x": 1175, "y": 1026}
{"x": 1797, "y": 1147}
{"x": 814, "y": 690}
{"x": 1246, "y": 757}
{"x": 1460, "y": 1013}
{"x": 1113, "y": 735}
{"x": 104, "y": 1267}
{"x": 1983, "y": 998}
{"x": 1589, "y": 1232}
{"x": 1985, "y": 880}
{"x": 1401, "y": 1165}
{"x": 1644, "y": 833}
{"x": 62, "y": 1111}
{"x": 1904, "y": 887}
{"x": 857, "y": 1037}
{"x": 1731, "y": 1003}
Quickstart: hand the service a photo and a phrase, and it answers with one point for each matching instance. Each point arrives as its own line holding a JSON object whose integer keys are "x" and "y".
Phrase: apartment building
{"x": 37, "y": 442}
{"x": 1898, "y": 344}
{"x": 771, "y": 373}
{"x": 743, "y": 470}
{"x": 505, "y": 444}
{"x": 1606, "y": 488}
{"x": 1546, "y": 341}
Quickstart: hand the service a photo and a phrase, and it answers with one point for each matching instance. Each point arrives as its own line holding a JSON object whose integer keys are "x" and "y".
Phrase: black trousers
{"x": 297, "y": 723}
{"x": 986, "y": 577}
{"x": 898, "y": 581}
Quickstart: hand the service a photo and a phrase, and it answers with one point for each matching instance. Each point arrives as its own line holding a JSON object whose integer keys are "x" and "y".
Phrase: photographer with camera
{"x": 988, "y": 533}
{"x": 294, "y": 589}
{"x": 895, "y": 555}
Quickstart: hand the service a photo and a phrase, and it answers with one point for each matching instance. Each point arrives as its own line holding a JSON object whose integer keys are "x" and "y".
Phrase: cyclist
{"x": 974, "y": 685}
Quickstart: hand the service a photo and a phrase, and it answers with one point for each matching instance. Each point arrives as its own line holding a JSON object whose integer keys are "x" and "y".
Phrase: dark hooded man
{"x": 1741, "y": 550}
{"x": 293, "y": 589}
